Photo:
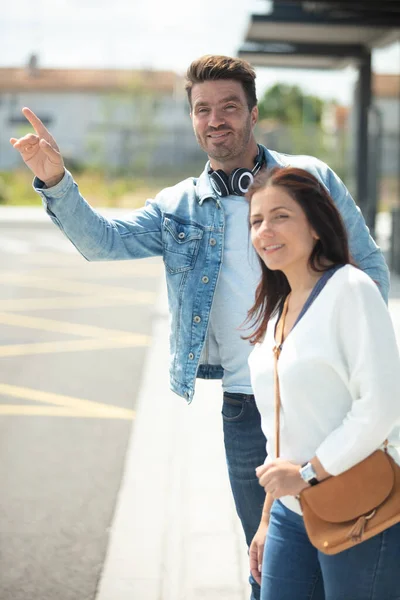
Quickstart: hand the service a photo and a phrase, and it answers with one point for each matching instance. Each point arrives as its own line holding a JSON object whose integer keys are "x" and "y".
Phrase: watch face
{"x": 308, "y": 472}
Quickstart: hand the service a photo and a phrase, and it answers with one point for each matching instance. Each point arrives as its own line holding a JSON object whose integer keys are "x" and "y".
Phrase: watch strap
{"x": 311, "y": 480}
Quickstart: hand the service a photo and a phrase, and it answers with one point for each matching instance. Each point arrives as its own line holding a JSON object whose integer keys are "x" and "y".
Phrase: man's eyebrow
{"x": 231, "y": 98}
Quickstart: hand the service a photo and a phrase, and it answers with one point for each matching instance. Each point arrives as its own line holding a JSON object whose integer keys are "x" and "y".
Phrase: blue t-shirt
{"x": 234, "y": 295}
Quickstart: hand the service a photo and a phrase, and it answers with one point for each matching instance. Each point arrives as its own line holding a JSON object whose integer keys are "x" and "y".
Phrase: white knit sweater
{"x": 339, "y": 374}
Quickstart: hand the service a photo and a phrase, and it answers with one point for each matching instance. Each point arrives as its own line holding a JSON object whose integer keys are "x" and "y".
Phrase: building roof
{"x": 86, "y": 80}
{"x": 386, "y": 86}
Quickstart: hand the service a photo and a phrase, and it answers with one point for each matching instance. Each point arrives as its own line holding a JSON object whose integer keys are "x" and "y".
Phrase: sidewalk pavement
{"x": 175, "y": 533}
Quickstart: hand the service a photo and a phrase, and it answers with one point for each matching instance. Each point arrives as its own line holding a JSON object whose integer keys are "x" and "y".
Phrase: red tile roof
{"x": 386, "y": 86}
{"x": 86, "y": 80}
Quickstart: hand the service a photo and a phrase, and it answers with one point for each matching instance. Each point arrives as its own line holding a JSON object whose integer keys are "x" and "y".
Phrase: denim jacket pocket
{"x": 181, "y": 243}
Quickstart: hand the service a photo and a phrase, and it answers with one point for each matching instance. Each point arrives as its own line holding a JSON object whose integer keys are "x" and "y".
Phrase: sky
{"x": 157, "y": 34}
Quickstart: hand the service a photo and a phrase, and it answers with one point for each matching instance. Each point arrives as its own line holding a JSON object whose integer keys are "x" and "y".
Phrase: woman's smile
{"x": 272, "y": 248}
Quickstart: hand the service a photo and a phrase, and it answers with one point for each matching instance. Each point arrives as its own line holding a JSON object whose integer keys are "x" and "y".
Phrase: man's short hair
{"x": 214, "y": 67}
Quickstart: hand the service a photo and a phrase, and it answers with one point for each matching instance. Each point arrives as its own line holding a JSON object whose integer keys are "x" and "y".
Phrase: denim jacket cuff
{"x": 57, "y": 191}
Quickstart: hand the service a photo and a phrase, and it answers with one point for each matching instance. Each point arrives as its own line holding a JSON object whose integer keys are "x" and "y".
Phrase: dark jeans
{"x": 245, "y": 450}
{"x": 294, "y": 569}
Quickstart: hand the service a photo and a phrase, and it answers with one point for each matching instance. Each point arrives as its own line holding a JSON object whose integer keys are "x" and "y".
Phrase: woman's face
{"x": 280, "y": 232}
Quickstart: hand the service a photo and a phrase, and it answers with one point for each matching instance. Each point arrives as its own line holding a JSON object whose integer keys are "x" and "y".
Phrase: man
{"x": 200, "y": 227}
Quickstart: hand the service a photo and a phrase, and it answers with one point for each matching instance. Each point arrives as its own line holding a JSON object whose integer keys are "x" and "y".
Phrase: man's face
{"x": 221, "y": 119}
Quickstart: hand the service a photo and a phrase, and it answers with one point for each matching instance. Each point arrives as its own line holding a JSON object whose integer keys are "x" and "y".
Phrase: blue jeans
{"x": 294, "y": 570}
{"x": 245, "y": 448}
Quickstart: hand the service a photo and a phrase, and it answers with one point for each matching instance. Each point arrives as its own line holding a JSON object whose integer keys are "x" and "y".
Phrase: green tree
{"x": 290, "y": 106}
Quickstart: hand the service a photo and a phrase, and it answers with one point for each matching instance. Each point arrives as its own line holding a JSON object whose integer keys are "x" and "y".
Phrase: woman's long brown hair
{"x": 332, "y": 247}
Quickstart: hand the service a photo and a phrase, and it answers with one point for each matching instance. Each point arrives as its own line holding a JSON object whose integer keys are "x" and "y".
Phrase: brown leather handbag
{"x": 346, "y": 509}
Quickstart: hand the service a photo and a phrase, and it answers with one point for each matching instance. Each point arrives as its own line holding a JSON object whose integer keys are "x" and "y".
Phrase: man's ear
{"x": 254, "y": 115}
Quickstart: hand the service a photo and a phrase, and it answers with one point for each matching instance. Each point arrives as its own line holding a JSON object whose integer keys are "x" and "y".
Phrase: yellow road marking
{"x": 133, "y": 341}
{"x": 62, "y": 302}
{"x": 61, "y": 326}
{"x": 60, "y": 405}
{"x": 48, "y": 411}
{"x": 101, "y": 296}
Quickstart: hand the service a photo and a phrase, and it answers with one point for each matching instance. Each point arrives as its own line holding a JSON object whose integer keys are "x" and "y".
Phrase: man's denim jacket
{"x": 185, "y": 225}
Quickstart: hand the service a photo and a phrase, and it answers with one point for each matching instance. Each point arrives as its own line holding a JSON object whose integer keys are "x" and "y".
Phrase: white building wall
{"x": 390, "y": 111}
{"x": 102, "y": 129}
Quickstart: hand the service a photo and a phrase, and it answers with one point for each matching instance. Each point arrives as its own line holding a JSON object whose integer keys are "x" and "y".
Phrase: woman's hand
{"x": 256, "y": 551}
{"x": 281, "y": 478}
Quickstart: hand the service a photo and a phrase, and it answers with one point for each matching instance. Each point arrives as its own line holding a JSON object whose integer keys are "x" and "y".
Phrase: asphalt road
{"x": 73, "y": 338}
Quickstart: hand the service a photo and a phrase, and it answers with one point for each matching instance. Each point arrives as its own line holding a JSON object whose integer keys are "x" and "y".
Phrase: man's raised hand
{"x": 40, "y": 151}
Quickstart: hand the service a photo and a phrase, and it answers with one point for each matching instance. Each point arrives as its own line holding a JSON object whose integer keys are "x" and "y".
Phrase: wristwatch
{"x": 308, "y": 474}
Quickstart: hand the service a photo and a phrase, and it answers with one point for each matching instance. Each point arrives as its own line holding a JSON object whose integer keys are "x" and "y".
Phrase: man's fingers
{"x": 31, "y": 138}
{"x": 54, "y": 156}
{"x": 50, "y": 151}
{"x": 25, "y": 143}
{"x": 35, "y": 122}
{"x": 26, "y": 150}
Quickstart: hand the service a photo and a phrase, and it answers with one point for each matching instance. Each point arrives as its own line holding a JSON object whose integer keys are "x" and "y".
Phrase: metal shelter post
{"x": 362, "y": 112}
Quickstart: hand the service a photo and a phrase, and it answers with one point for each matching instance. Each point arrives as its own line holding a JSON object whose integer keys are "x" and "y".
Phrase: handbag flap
{"x": 353, "y": 493}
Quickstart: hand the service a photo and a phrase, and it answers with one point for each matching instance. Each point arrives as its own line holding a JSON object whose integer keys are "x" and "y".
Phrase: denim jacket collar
{"x": 204, "y": 189}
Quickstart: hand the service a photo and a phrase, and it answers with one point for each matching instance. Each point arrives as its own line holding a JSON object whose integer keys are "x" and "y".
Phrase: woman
{"x": 339, "y": 377}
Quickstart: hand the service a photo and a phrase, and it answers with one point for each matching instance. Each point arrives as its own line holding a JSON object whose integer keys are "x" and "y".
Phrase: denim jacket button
{"x": 197, "y": 319}
{"x": 181, "y": 235}
{"x": 205, "y": 279}
{"x": 213, "y": 242}
{"x": 191, "y": 356}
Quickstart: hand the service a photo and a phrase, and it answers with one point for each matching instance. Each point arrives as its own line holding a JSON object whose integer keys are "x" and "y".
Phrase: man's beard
{"x": 228, "y": 152}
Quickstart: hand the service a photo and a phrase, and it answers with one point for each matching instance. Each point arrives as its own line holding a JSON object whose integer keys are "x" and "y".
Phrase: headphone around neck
{"x": 239, "y": 181}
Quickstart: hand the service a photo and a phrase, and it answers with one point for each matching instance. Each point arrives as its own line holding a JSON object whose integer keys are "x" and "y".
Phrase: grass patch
{"x": 99, "y": 190}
